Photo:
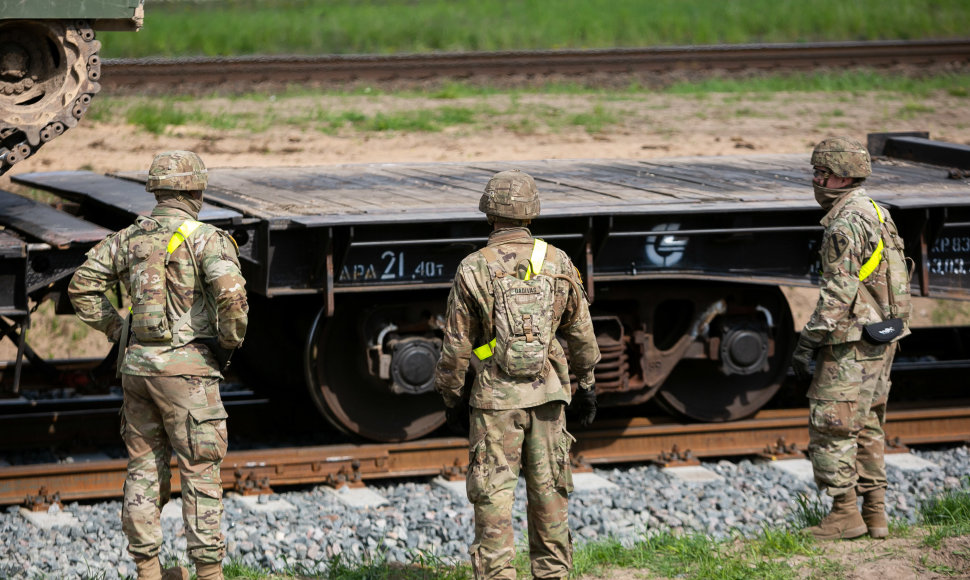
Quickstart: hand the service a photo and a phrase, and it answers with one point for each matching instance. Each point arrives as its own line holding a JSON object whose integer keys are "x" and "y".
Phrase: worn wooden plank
{"x": 413, "y": 192}
{"x": 45, "y": 223}
{"x": 108, "y": 193}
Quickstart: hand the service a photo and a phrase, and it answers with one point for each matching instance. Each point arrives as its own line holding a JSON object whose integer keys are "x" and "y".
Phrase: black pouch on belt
{"x": 882, "y": 332}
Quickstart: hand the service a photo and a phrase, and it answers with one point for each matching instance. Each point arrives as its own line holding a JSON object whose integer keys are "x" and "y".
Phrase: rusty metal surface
{"x": 175, "y": 73}
{"x": 769, "y": 433}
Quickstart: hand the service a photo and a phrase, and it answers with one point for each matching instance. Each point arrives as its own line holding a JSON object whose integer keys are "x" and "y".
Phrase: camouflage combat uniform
{"x": 171, "y": 389}
{"x": 848, "y": 393}
{"x": 517, "y": 424}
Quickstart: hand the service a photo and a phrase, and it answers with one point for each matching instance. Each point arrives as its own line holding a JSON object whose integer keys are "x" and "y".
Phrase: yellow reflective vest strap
{"x": 185, "y": 230}
{"x": 535, "y": 265}
{"x": 484, "y": 351}
{"x": 538, "y": 256}
{"x": 873, "y": 262}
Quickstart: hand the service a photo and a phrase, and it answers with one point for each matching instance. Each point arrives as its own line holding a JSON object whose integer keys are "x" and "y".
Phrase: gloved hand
{"x": 458, "y": 418}
{"x": 800, "y": 360}
{"x": 584, "y": 406}
{"x": 221, "y": 354}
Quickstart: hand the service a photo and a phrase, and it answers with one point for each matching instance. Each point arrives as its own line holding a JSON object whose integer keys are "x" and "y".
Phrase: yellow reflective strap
{"x": 538, "y": 256}
{"x": 873, "y": 262}
{"x": 185, "y": 230}
{"x": 484, "y": 351}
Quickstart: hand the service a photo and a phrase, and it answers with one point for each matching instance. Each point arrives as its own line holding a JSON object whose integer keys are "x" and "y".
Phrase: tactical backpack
{"x": 151, "y": 246}
{"x": 896, "y": 316}
{"x": 523, "y": 315}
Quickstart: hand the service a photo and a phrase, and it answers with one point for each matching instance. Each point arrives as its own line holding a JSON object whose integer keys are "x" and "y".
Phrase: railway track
{"x": 770, "y": 434}
{"x": 175, "y": 74}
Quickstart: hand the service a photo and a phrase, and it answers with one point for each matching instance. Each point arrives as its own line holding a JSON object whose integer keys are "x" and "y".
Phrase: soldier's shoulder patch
{"x": 836, "y": 246}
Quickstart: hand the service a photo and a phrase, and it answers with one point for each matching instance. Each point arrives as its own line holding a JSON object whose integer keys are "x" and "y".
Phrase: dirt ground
{"x": 649, "y": 126}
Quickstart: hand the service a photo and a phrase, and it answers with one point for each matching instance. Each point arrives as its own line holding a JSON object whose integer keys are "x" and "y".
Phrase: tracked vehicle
{"x": 50, "y": 68}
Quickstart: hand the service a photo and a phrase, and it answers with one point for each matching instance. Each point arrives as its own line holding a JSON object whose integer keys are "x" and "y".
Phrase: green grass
{"x": 421, "y": 567}
{"x": 861, "y": 80}
{"x": 515, "y": 109}
{"x": 808, "y": 511}
{"x": 235, "y": 27}
{"x": 947, "y": 515}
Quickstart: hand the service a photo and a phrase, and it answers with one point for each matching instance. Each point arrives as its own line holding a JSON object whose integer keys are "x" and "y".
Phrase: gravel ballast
{"x": 304, "y": 529}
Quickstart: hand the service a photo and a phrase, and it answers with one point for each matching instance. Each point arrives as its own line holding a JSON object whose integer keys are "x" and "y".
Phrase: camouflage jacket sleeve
{"x": 220, "y": 264}
{"x": 844, "y": 249}
{"x": 577, "y": 329}
{"x": 462, "y": 327}
{"x": 90, "y": 283}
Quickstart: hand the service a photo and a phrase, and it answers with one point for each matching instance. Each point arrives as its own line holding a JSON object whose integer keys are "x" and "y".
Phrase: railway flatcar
{"x": 348, "y": 268}
{"x": 50, "y": 67}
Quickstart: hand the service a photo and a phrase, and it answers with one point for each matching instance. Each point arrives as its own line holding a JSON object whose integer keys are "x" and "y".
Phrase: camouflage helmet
{"x": 843, "y": 156}
{"x": 178, "y": 171}
{"x": 510, "y": 195}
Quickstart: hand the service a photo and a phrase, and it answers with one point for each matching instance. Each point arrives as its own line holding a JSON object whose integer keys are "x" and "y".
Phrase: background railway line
{"x": 156, "y": 75}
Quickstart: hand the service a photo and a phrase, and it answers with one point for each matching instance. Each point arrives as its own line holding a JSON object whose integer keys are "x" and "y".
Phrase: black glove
{"x": 222, "y": 355}
{"x": 800, "y": 361}
{"x": 458, "y": 417}
{"x": 584, "y": 406}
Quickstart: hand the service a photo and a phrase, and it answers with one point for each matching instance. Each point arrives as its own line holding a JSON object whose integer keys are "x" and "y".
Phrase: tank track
{"x": 49, "y": 72}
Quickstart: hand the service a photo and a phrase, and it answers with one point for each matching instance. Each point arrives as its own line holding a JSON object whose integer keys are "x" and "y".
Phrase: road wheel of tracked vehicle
{"x": 353, "y": 400}
{"x": 748, "y": 373}
{"x": 49, "y": 71}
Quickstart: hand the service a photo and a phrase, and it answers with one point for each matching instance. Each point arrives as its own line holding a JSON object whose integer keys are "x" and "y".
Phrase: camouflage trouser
{"x": 847, "y": 407}
{"x": 184, "y": 413}
{"x": 534, "y": 440}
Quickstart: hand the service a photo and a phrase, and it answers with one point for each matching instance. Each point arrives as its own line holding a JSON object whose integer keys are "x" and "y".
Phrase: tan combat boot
{"x": 209, "y": 570}
{"x": 874, "y": 513}
{"x": 149, "y": 569}
{"x": 843, "y": 522}
{"x": 177, "y": 573}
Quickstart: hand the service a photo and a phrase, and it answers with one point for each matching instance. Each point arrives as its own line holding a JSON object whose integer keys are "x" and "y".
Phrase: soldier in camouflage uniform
{"x": 865, "y": 280}
{"x": 188, "y": 302}
{"x": 517, "y": 414}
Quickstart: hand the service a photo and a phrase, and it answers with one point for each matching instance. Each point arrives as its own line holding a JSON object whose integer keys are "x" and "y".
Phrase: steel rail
{"x": 769, "y": 433}
{"x": 175, "y": 72}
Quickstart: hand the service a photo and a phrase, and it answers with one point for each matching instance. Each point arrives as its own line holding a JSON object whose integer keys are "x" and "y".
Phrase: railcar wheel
{"x": 350, "y": 398}
{"x": 731, "y": 389}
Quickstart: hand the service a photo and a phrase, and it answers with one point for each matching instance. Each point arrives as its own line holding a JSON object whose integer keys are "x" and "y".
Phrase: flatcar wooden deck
{"x": 751, "y": 217}
{"x": 391, "y": 192}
